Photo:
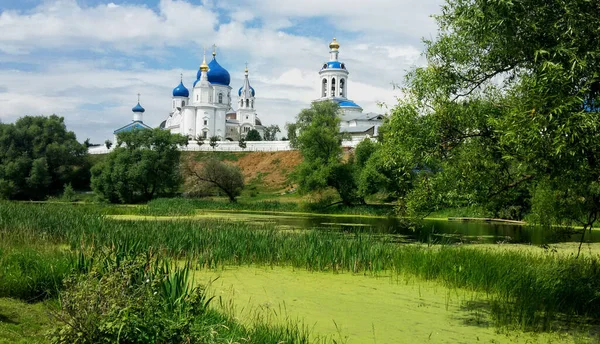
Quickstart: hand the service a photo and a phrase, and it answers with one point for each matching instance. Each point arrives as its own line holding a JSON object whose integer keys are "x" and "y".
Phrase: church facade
{"x": 207, "y": 111}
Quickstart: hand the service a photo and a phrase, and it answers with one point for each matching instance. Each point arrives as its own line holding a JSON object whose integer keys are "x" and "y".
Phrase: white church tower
{"x": 333, "y": 79}
{"x": 246, "y": 113}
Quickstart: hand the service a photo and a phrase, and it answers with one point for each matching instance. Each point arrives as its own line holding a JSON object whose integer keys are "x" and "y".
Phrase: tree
{"x": 87, "y": 143}
{"x": 38, "y": 156}
{"x": 320, "y": 142}
{"x": 213, "y": 142}
{"x": 253, "y": 135}
{"x": 68, "y": 194}
{"x": 242, "y": 143}
{"x": 144, "y": 164}
{"x": 226, "y": 177}
{"x": 271, "y": 132}
{"x": 108, "y": 144}
{"x": 199, "y": 140}
{"x": 291, "y": 131}
{"x": 507, "y": 105}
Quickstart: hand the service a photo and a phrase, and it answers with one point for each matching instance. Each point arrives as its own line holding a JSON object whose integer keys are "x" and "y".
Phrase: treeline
{"x": 504, "y": 117}
{"x": 38, "y": 157}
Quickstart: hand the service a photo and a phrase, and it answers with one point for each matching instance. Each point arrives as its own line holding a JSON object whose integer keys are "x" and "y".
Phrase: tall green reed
{"x": 528, "y": 289}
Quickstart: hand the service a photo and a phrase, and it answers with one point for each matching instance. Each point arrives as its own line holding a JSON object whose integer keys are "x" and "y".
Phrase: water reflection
{"x": 434, "y": 231}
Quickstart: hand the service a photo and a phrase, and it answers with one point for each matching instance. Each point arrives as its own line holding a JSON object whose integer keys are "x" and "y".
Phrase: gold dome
{"x": 204, "y": 66}
{"x": 334, "y": 45}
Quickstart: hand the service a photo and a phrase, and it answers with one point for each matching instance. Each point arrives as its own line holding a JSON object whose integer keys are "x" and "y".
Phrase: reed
{"x": 183, "y": 206}
{"x": 528, "y": 290}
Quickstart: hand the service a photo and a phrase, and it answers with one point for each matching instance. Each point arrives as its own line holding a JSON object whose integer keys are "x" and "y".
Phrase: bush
{"x": 68, "y": 193}
{"x": 134, "y": 301}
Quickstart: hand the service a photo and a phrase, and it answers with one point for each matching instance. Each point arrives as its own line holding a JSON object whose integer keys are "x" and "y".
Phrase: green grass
{"x": 182, "y": 206}
{"x": 529, "y": 289}
{"x": 460, "y": 212}
{"x": 229, "y": 156}
{"x": 23, "y": 323}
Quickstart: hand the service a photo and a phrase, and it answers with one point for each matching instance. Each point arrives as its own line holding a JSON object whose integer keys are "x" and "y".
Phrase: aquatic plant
{"x": 526, "y": 289}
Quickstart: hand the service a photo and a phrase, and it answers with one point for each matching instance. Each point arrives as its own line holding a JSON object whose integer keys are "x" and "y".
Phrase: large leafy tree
{"x": 223, "y": 176}
{"x": 318, "y": 137}
{"x": 271, "y": 132}
{"x": 253, "y": 135}
{"x": 38, "y": 156}
{"x": 506, "y": 105}
{"x": 144, "y": 164}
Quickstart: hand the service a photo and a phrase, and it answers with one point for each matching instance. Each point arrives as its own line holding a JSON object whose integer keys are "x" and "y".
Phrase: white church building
{"x": 206, "y": 111}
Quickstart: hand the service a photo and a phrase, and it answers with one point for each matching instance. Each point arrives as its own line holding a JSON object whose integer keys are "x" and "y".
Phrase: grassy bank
{"x": 529, "y": 290}
{"x": 181, "y": 206}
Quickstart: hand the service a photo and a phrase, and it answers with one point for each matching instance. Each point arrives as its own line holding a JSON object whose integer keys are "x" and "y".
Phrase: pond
{"x": 433, "y": 231}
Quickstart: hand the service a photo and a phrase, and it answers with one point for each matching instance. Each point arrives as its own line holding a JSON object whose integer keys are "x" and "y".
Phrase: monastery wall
{"x": 233, "y": 146}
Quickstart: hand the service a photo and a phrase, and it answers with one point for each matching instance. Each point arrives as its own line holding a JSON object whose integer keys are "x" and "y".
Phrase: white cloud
{"x": 96, "y": 96}
{"x": 64, "y": 23}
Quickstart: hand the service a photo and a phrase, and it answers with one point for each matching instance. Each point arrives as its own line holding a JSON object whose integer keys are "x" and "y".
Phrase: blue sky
{"x": 86, "y": 60}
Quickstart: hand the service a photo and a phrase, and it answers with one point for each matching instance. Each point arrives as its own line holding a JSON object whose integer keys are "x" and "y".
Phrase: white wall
{"x": 233, "y": 146}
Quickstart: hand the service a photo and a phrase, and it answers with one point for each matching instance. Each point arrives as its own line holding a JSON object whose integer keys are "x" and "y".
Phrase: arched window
{"x": 333, "y": 87}
{"x": 183, "y": 103}
{"x": 342, "y": 90}
{"x": 173, "y": 104}
{"x": 220, "y": 98}
{"x": 324, "y": 88}
{"x": 247, "y": 103}
{"x": 252, "y": 104}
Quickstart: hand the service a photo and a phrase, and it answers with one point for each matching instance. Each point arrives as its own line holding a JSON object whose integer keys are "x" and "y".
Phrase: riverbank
{"x": 526, "y": 290}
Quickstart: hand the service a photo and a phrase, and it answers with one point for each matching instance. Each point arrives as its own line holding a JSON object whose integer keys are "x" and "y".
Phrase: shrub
{"x": 68, "y": 193}
{"x": 135, "y": 301}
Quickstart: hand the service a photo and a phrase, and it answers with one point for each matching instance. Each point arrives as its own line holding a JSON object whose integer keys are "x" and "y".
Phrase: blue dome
{"x": 334, "y": 64}
{"x": 138, "y": 108}
{"x": 217, "y": 74}
{"x": 181, "y": 91}
{"x": 251, "y": 89}
{"x": 347, "y": 103}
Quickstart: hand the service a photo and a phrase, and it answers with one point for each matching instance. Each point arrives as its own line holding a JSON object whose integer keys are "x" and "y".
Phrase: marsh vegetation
{"x": 525, "y": 290}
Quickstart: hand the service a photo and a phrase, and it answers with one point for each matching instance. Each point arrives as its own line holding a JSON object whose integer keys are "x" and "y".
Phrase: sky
{"x": 87, "y": 60}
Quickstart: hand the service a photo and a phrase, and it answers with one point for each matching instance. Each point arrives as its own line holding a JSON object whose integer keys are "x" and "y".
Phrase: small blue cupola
{"x": 251, "y": 90}
{"x": 181, "y": 91}
{"x": 138, "y": 108}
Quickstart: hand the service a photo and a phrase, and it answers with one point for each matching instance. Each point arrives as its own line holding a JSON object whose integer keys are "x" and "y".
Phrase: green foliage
{"x": 38, "y": 156}
{"x": 320, "y": 142}
{"x": 221, "y": 175}
{"x": 271, "y": 132}
{"x": 508, "y": 100}
{"x": 253, "y": 135}
{"x": 527, "y": 290}
{"x": 213, "y": 142}
{"x": 144, "y": 164}
{"x": 108, "y": 144}
{"x": 31, "y": 271}
{"x": 136, "y": 301}
{"x": 68, "y": 194}
{"x": 242, "y": 143}
{"x": 199, "y": 140}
